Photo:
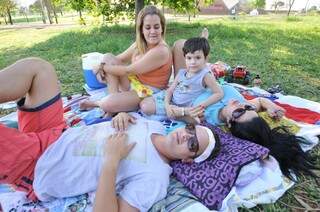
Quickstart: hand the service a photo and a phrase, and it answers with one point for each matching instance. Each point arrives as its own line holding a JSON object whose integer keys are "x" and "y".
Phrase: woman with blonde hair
{"x": 148, "y": 58}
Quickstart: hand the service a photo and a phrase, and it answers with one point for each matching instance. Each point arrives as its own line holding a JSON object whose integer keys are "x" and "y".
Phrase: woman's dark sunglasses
{"x": 237, "y": 113}
{"x": 193, "y": 144}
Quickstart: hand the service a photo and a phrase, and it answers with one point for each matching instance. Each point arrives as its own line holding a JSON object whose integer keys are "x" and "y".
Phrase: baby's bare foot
{"x": 87, "y": 105}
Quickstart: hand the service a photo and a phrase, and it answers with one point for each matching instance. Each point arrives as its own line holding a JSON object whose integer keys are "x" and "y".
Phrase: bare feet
{"x": 87, "y": 105}
{"x": 205, "y": 33}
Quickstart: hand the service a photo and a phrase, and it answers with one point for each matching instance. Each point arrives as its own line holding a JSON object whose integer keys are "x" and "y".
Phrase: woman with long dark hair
{"x": 241, "y": 116}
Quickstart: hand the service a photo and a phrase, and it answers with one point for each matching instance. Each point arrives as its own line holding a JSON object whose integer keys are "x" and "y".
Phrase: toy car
{"x": 239, "y": 75}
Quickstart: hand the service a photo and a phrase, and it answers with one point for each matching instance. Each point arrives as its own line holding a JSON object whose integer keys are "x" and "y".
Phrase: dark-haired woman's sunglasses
{"x": 237, "y": 113}
{"x": 193, "y": 144}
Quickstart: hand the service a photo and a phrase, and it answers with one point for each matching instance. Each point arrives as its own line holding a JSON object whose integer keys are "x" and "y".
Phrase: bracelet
{"x": 182, "y": 111}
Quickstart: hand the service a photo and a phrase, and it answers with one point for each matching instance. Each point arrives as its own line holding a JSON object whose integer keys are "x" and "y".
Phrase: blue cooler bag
{"x": 88, "y": 62}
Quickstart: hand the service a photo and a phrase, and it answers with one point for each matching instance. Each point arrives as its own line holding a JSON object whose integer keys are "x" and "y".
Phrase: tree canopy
{"x": 5, "y": 9}
{"x": 111, "y": 10}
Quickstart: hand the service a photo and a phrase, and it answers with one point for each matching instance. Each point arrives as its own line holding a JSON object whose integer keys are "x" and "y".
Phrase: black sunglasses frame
{"x": 237, "y": 113}
{"x": 193, "y": 143}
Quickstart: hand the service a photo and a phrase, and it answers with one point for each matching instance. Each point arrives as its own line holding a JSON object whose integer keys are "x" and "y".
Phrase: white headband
{"x": 212, "y": 143}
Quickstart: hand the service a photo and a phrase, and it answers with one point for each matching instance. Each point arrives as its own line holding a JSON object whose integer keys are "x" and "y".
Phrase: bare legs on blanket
{"x": 32, "y": 78}
{"x": 118, "y": 91}
{"x": 114, "y": 84}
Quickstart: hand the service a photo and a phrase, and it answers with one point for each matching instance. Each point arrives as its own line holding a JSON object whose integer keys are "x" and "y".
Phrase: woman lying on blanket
{"x": 149, "y": 58}
{"x": 241, "y": 116}
{"x": 68, "y": 162}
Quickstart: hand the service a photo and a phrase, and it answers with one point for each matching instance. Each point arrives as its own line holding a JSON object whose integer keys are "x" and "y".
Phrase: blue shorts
{"x": 159, "y": 101}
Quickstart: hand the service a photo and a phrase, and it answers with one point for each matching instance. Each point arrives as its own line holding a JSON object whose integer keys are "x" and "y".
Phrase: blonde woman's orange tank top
{"x": 159, "y": 77}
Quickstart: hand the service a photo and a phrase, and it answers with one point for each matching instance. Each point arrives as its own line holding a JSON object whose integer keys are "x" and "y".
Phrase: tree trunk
{"x": 25, "y": 14}
{"x": 54, "y": 13}
{"x": 9, "y": 16}
{"x": 197, "y": 7}
{"x": 49, "y": 15}
{"x": 48, "y": 6}
{"x": 139, "y": 4}
{"x": 5, "y": 20}
{"x": 306, "y": 7}
{"x": 275, "y": 7}
{"x": 163, "y": 6}
{"x": 291, "y": 2}
{"x": 43, "y": 12}
{"x": 80, "y": 14}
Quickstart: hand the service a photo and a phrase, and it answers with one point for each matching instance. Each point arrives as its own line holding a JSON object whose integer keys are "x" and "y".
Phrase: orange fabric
{"x": 20, "y": 149}
{"x": 159, "y": 77}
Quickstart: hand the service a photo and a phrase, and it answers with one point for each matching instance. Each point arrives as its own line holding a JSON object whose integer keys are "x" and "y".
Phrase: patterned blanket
{"x": 179, "y": 198}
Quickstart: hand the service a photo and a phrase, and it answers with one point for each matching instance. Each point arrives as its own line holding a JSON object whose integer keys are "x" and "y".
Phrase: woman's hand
{"x": 194, "y": 112}
{"x": 122, "y": 120}
{"x": 117, "y": 147}
{"x": 276, "y": 112}
{"x": 100, "y": 73}
{"x": 264, "y": 104}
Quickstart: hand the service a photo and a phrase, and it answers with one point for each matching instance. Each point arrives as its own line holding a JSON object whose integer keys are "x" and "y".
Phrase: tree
{"x": 43, "y": 13}
{"x": 39, "y": 7}
{"x": 5, "y": 8}
{"x": 258, "y": 4}
{"x": 306, "y": 6}
{"x": 111, "y": 11}
{"x": 181, "y": 6}
{"x": 187, "y": 6}
{"x": 24, "y": 10}
{"x": 139, "y": 4}
{"x": 277, "y": 4}
{"x": 79, "y": 6}
{"x": 48, "y": 5}
{"x": 245, "y": 6}
{"x": 291, "y": 2}
{"x": 54, "y": 5}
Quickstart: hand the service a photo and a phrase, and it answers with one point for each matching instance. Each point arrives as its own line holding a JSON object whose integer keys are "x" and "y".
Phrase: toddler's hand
{"x": 171, "y": 111}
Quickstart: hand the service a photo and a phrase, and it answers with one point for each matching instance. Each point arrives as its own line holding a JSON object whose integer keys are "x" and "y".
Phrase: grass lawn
{"x": 281, "y": 51}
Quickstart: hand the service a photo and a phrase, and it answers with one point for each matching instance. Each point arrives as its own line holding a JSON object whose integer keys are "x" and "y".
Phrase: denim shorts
{"x": 159, "y": 101}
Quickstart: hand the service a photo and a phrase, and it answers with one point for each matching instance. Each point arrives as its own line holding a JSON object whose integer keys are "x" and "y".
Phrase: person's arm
{"x": 153, "y": 59}
{"x": 126, "y": 56}
{"x": 168, "y": 97}
{"x": 272, "y": 109}
{"x": 106, "y": 199}
{"x": 217, "y": 92}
